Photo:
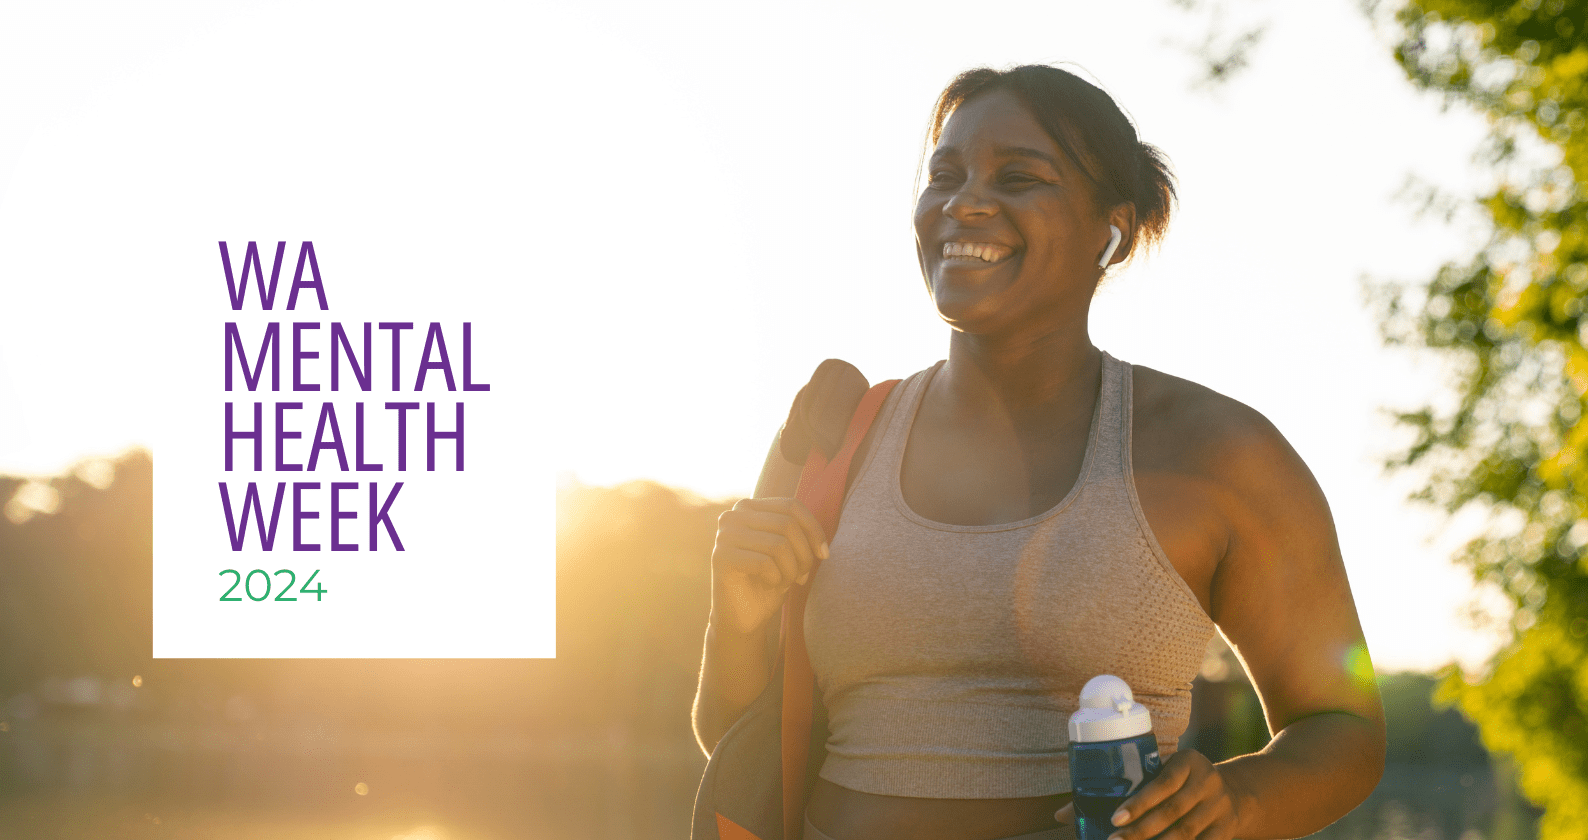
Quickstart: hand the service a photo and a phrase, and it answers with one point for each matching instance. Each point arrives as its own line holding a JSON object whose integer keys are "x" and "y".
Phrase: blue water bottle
{"x": 1112, "y": 753}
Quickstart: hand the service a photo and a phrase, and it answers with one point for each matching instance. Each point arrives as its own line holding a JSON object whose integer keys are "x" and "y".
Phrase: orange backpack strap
{"x": 821, "y": 488}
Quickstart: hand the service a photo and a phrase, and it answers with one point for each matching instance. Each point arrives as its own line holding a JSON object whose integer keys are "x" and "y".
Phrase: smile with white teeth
{"x": 983, "y": 251}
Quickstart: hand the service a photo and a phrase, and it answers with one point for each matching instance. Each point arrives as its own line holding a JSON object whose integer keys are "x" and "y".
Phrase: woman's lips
{"x": 986, "y": 252}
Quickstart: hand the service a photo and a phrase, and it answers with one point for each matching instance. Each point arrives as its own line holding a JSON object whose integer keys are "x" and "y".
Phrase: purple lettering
{"x": 307, "y": 253}
{"x": 433, "y": 336}
{"x": 468, "y": 383}
{"x": 362, "y": 374}
{"x": 358, "y": 442}
{"x": 268, "y": 346}
{"x": 337, "y": 515}
{"x": 299, "y": 514}
{"x": 299, "y": 354}
{"x": 383, "y": 516}
{"x": 267, "y": 296}
{"x": 396, "y": 349}
{"x": 328, "y": 416}
{"x": 238, "y": 527}
{"x": 257, "y": 436}
{"x": 431, "y": 436}
{"x": 282, "y": 434}
{"x": 402, "y": 431}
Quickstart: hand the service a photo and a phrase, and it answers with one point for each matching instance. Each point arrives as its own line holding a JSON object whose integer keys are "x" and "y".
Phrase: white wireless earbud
{"x": 1113, "y": 242}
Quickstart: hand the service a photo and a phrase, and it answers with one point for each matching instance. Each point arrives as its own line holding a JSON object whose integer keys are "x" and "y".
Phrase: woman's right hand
{"x": 764, "y": 546}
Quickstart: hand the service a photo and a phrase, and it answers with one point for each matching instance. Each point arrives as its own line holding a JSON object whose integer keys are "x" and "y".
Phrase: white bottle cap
{"x": 1108, "y": 712}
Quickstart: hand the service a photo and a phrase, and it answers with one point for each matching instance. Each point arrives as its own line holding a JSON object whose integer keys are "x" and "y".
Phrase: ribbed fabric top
{"x": 950, "y": 657}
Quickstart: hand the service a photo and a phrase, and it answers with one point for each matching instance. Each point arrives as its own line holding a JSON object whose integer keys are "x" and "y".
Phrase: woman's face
{"x": 1007, "y": 228}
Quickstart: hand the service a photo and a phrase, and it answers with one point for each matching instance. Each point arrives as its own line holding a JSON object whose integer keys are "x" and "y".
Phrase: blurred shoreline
{"x": 97, "y": 738}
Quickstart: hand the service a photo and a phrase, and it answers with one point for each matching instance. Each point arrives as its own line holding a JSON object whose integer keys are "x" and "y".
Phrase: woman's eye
{"x": 940, "y": 177}
{"x": 1020, "y": 179}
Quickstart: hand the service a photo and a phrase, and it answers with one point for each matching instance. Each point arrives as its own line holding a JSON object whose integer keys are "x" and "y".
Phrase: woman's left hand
{"x": 1189, "y": 800}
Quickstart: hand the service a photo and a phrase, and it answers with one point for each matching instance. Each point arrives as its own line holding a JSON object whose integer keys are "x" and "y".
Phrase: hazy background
{"x": 98, "y": 740}
{"x": 703, "y": 201}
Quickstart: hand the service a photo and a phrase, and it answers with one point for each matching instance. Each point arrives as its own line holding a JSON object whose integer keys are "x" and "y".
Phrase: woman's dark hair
{"x": 1088, "y": 126}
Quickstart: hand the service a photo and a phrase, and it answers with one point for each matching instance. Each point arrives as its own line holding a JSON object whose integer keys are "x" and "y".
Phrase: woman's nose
{"x": 969, "y": 201}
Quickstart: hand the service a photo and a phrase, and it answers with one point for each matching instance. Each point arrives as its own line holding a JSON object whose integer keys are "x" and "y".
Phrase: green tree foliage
{"x": 1516, "y": 440}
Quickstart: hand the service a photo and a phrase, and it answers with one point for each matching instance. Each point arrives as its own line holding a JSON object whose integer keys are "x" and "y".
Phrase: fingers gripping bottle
{"x": 1112, "y": 753}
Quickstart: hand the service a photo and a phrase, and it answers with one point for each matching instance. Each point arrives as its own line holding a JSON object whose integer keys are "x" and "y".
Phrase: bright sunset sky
{"x": 703, "y": 201}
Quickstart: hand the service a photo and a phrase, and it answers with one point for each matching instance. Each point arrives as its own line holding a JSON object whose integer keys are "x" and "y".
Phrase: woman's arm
{"x": 1281, "y": 596}
{"x": 763, "y": 546}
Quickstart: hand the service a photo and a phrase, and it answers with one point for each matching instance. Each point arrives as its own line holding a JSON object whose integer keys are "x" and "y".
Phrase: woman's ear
{"x": 1123, "y": 217}
{"x": 1115, "y": 236}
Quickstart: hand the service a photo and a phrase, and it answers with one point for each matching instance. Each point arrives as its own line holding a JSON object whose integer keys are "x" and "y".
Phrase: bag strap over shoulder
{"x": 821, "y": 489}
{"x": 822, "y": 410}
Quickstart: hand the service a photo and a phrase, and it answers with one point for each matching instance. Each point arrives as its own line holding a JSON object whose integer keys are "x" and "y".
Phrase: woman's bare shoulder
{"x": 1190, "y": 429}
{"x": 1196, "y": 423}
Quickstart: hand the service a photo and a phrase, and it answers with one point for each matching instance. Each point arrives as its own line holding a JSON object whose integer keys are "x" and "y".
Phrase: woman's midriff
{"x": 847, "y": 814}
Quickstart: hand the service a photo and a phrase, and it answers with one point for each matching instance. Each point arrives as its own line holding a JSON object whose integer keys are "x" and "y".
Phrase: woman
{"x": 1032, "y": 512}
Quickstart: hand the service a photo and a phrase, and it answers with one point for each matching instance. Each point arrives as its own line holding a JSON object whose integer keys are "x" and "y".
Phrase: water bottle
{"x": 1112, "y": 754}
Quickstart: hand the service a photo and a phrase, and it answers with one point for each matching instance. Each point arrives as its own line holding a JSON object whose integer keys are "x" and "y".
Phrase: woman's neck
{"x": 1036, "y": 376}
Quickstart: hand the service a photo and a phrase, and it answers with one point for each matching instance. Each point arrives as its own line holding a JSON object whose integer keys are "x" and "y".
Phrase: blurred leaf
{"x": 1515, "y": 442}
{"x": 1225, "y": 47}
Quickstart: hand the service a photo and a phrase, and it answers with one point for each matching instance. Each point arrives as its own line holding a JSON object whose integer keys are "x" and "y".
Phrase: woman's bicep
{"x": 1281, "y": 594}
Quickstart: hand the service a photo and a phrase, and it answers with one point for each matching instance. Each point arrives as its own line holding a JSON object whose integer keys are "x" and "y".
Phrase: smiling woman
{"x": 1073, "y": 161}
{"x": 1032, "y": 512}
